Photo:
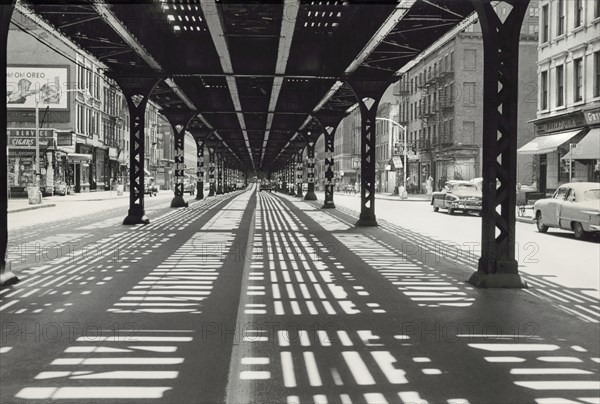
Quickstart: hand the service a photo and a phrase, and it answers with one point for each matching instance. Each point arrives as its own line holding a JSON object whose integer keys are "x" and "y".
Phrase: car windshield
{"x": 591, "y": 195}
{"x": 464, "y": 187}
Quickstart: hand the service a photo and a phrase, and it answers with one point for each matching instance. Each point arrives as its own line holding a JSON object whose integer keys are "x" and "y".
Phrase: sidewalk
{"x": 22, "y": 204}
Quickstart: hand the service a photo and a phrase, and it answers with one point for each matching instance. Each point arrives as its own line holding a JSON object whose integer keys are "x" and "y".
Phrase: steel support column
{"x": 292, "y": 171}
{"x": 7, "y": 277}
{"x": 311, "y": 140}
{"x": 329, "y": 120}
{"x": 498, "y": 267}
{"x": 283, "y": 176}
{"x": 374, "y": 90}
{"x": 225, "y": 176}
{"x": 136, "y": 92}
{"x": 179, "y": 121}
{"x": 299, "y": 172}
{"x": 219, "y": 172}
{"x": 211, "y": 171}
{"x": 200, "y": 169}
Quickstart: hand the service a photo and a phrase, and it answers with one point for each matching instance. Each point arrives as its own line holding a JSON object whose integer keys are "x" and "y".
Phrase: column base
{"x": 136, "y": 219}
{"x": 480, "y": 279}
{"x": 178, "y": 202}
{"x": 366, "y": 220}
{"x": 7, "y": 277}
{"x": 328, "y": 205}
{"x": 299, "y": 194}
{"x": 310, "y": 196}
{"x": 199, "y": 197}
{"x": 219, "y": 192}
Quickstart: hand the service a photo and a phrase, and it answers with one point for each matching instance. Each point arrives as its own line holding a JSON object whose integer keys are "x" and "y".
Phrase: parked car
{"x": 189, "y": 184}
{"x": 574, "y": 206}
{"x": 457, "y": 195}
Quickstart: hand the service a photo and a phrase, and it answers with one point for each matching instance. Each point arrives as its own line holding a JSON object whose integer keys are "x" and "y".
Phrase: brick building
{"x": 441, "y": 102}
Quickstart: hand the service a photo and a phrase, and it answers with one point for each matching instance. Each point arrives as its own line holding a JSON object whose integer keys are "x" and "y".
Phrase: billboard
{"x": 28, "y": 84}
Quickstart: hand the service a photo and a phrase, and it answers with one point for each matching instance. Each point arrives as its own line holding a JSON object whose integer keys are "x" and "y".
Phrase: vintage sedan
{"x": 457, "y": 195}
{"x": 574, "y": 206}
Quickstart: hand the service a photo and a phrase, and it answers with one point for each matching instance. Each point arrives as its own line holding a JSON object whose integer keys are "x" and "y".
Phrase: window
{"x": 597, "y": 9}
{"x": 452, "y": 61}
{"x": 560, "y": 86}
{"x": 578, "y": 79}
{"x": 446, "y": 67}
{"x": 470, "y": 62}
{"x": 597, "y": 74}
{"x": 578, "y": 13}
{"x": 545, "y": 24}
{"x": 560, "y": 27}
{"x": 469, "y": 92}
{"x": 544, "y": 90}
{"x": 468, "y": 132}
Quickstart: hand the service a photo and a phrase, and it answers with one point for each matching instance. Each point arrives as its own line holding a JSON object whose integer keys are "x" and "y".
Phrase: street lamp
{"x": 87, "y": 96}
{"x": 405, "y": 144}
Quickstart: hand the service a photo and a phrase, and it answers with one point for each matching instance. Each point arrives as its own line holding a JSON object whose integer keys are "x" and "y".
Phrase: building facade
{"x": 441, "y": 104}
{"x": 567, "y": 143}
{"x": 82, "y": 115}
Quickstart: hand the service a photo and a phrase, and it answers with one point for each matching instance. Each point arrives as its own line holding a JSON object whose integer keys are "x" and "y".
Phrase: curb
{"x": 525, "y": 220}
{"x": 49, "y": 205}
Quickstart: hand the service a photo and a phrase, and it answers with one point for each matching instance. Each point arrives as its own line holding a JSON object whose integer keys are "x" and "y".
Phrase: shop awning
{"x": 78, "y": 157}
{"x": 588, "y": 148}
{"x": 547, "y": 144}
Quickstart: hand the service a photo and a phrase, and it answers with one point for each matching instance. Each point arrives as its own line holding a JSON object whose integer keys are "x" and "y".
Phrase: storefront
{"x": 586, "y": 153}
{"x": 21, "y": 160}
{"x": 555, "y": 137}
{"x": 81, "y": 164}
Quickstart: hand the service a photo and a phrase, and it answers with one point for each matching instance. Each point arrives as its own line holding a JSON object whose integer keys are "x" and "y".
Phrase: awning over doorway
{"x": 588, "y": 148}
{"x": 548, "y": 143}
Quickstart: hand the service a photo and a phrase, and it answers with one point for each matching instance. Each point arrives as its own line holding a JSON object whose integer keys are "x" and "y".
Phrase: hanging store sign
{"x": 27, "y": 85}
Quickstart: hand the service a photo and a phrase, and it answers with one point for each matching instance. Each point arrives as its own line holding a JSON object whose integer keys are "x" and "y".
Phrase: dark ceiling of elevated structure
{"x": 254, "y": 72}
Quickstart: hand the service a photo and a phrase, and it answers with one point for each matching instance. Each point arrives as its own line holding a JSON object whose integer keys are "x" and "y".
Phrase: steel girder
{"x": 329, "y": 120}
{"x": 497, "y": 264}
{"x": 219, "y": 154}
{"x": 299, "y": 172}
{"x": 292, "y": 173}
{"x": 311, "y": 139}
{"x": 179, "y": 120}
{"x": 374, "y": 90}
{"x": 137, "y": 92}
{"x": 6, "y": 10}
{"x": 200, "y": 169}
{"x": 211, "y": 170}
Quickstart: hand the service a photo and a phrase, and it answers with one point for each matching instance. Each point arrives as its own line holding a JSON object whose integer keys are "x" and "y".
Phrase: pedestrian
{"x": 429, "y": 185}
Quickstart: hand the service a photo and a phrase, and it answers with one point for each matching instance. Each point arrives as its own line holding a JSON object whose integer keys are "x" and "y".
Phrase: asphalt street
{"x": 257, "y": 297}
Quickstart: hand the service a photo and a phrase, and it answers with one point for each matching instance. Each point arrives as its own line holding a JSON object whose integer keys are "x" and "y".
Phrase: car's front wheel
{"x": 450, "y": 211}
{"x": 542, "y": 228}
{"x": 580, "y": 234}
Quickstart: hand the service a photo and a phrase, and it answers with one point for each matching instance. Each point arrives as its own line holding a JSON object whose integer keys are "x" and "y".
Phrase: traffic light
{"x": 396, "y": 148}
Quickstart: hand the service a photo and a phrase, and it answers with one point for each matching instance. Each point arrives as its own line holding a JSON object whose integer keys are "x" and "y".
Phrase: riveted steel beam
{"x": 498, "y": 266}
